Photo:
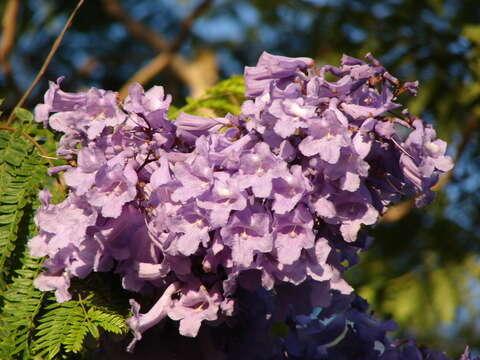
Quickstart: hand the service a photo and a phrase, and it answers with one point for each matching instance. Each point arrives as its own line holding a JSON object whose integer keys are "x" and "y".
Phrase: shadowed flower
{"x": 195, "y": 305}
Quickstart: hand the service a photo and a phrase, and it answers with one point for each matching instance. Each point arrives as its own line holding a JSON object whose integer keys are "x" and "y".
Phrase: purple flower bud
{"x": 271, "y": 67}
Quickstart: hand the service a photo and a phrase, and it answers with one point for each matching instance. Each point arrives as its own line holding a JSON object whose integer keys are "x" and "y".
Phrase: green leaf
{"x": 23, "y": 115}
{"x": 22, "y": 303}
{"x": 66, "y": 326}
{"x": 22, "y": 173}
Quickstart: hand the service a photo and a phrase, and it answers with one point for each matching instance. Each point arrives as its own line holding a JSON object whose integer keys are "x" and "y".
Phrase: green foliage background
{"x": 423, "y": 269}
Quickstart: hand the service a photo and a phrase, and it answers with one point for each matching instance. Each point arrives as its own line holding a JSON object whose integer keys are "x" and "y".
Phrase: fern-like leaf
{"x": 66, "y": 325}
{"x": 110, "y": 322}
{"x": 22, "y": 173}
{"x": 22, "y": 303}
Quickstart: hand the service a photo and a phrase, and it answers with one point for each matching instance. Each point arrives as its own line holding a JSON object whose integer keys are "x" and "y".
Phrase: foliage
{"x": 22, "y": 172}
{"x": 67, "y": 324}
{"x": 22, "y": 303}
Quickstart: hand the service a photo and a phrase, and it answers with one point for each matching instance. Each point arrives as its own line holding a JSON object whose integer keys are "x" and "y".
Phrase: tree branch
{"x": 186, "y": 25}
{"x": 169, "y": 54}
{"x": 135, "y": 28}
{"x": 9, "y": 26}
{"x": 199, "y": 74}
{"x": 49, "y": 58}
{"x": 143, "y": 75}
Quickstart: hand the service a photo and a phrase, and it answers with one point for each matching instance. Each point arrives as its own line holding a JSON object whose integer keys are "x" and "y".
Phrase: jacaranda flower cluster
{"x": 268, "y": 207}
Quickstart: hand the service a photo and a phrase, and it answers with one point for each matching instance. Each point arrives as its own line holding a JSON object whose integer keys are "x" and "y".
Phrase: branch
{"x": 9, "y": 25}
{"x": 142, "y": 76}
{"x": 187, "y": 23}
{"x": 158, "y": 63}
{"x": 49, "y": 58}
{"x": 400, "y": 210}
{"x": 199, "y": 74}
{"x": 136, "y": 29}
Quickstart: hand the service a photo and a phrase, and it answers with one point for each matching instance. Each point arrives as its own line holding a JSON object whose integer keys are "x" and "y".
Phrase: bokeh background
{"x": 424, "y": 267}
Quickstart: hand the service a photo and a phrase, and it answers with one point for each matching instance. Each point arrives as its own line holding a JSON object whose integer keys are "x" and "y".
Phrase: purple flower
{"x": 152, "y": 105}
{"x": 349, "y": 209}
{"x": 139, "y": 323}
{"x": 422, "y": 158}
{"x": 347, "y": 174}
{"x": 60, "y": 283}
{"x": 319, "y": 90}
{"x": 65, "y": 239}
{"x": 82, "y": 178}
{"x": 225, "y": 195}
{"x": 224, "y": 153}
{"x": 327, "y": 135}
{"x": 190, "y": 127}
{"x": 61, "y": 225}
{"x": 293, "y": 232}
{"x": 57, "y": 100}
{"x": 289, "y": 190}
{"x": 103, "y": 110}
{"x": 195, "y": 176}
{"x": 258, "y": 168}
{"x": 292, "y": 114}
{"x": 271, "y": 67}
{"x": 248, "y": 233}
{"x": 190, "y": 222}
{"x": 195, "y": 305}
{"x": 115, "y": 186}
{"x": 85, "y": 113}
{"x": 265, "y": 205}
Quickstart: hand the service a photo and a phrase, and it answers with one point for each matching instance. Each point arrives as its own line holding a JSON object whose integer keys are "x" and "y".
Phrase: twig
{"x": 33, "y": 141}
{"x": 158, "y": 63}
{"x": 49, "y": 58}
